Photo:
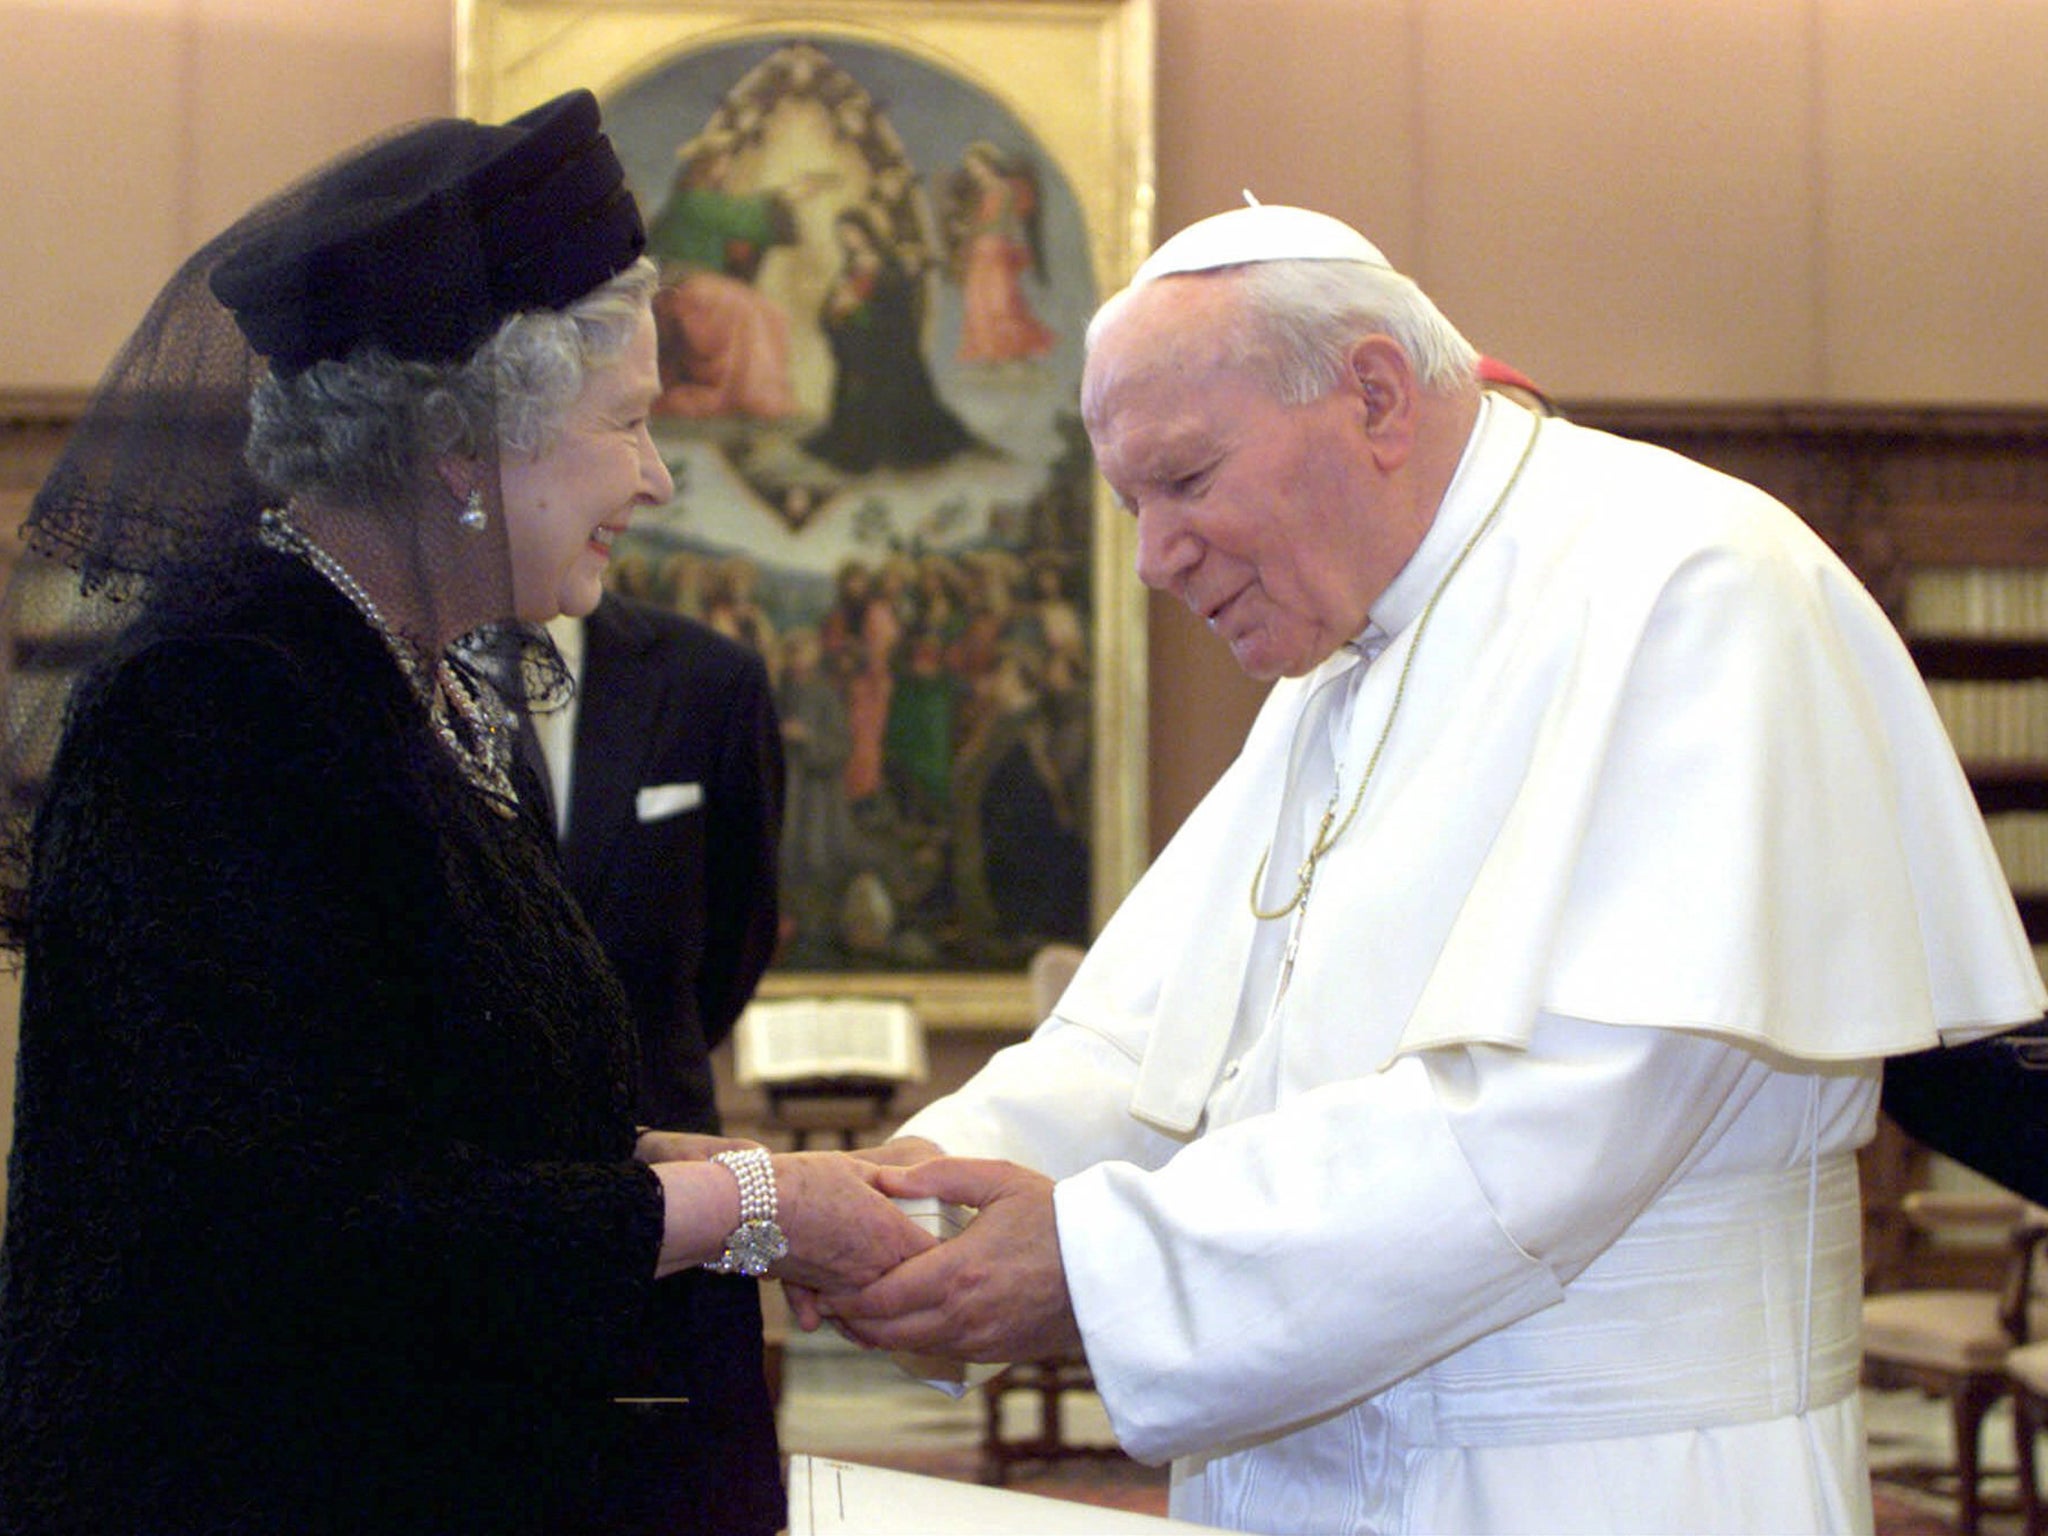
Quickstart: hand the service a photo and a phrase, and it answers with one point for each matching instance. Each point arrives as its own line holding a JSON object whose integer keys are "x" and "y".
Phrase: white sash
{"x": 1729, "y": 1300}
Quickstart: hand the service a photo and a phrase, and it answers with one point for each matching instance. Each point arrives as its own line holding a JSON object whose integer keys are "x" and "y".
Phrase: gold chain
{"x": 1326, "y": 836}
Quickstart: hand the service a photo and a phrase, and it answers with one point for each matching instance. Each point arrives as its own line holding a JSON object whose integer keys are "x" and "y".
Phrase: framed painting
{"x": 882, "y": 226}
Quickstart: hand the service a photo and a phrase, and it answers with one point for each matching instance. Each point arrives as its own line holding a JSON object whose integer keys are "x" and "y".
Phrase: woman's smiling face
{"x": 565, "y": 504}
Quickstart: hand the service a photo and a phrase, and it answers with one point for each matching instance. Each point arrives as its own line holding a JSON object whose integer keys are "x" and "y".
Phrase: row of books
{"x": 2020, "y": 838}
{"x": 2009, "y": 602}
{"x": 1994, "y": 722}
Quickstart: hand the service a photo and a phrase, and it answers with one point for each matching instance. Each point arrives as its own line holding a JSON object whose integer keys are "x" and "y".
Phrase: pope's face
{"x": 565, "y": 505}
{"x": 1251, "y": 512}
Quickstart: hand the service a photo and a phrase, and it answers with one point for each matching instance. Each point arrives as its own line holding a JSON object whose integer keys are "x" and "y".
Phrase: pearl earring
{"x": 473, "y": 516}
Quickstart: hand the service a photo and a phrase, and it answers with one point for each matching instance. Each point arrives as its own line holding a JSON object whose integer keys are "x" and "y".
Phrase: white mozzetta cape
{"x": 1662, "y": 761}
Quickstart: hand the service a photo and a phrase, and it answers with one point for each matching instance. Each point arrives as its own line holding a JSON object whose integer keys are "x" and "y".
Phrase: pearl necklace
{"x": 1330, "y": 829}
{"x": 482, "y": 748}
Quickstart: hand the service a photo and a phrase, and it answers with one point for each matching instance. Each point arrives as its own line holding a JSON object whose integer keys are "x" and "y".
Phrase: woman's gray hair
{"x": 367, "y": 428}
{"x": 1300, "y": 320}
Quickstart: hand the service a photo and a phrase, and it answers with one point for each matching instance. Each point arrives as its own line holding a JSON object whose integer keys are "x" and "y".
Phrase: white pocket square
{"x": 656, "y": 802}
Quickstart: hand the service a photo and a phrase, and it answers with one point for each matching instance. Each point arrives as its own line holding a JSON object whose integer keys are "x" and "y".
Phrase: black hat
{"x": 425, "y": 243}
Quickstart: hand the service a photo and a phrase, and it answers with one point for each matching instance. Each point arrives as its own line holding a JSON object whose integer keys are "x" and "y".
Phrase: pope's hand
{"x": 998, "y": 1291}
{"x": 902, "y": 1152}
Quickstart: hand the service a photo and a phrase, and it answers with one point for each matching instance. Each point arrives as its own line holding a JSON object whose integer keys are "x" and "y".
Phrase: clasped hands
{"x": 996, "y": 1292}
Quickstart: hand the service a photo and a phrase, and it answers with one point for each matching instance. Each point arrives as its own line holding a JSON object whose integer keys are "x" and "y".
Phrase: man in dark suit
{"x": 669, "y": 803}
{"x": 1984, "y": 1104}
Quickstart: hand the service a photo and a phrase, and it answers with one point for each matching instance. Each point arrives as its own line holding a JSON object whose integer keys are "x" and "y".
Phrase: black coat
{"x": 1984, "y": 1104}
{"x": 323, "y": 1214}
{"x": 685, "y": 905}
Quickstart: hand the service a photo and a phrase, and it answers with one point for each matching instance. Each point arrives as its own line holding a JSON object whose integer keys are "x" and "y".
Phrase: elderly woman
{"x": 327, "y": 1207}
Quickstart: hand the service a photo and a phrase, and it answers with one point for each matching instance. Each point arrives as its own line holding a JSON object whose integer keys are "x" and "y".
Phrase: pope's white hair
{"x": 1300, "y": 319}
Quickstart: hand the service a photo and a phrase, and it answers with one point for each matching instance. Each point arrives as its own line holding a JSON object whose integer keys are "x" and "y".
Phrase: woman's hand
{"x": 903, "y": 1152}
{"x": 843, "y": 1232}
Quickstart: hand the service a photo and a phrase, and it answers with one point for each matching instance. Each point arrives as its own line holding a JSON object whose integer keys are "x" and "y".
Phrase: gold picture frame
{"x": 916, "y": 202}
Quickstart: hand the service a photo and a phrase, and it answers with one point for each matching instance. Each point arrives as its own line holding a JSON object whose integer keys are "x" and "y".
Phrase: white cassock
{"x": 1529, "y": 1202}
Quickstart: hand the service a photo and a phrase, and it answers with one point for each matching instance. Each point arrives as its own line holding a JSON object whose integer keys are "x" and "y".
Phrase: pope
{"x": 1455, "y": 1129}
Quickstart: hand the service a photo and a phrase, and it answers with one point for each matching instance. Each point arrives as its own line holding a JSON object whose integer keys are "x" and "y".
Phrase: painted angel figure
{"x": 992, "y": 225}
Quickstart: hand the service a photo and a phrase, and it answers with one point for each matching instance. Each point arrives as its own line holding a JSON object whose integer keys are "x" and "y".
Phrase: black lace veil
{"x": 418, "y": 245}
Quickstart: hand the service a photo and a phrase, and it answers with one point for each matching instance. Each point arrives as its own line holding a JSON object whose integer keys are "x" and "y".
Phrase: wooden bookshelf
{"x": 2003, "y": 784}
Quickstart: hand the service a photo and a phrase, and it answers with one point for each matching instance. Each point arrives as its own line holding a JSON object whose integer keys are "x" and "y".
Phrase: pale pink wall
{"x": 96, "y": 146}
{"x": 1935, "y": 258}
{"x": 1624, "y": 198}
{"x": 136, "y": 128}
{"x": 1687, "y": 200}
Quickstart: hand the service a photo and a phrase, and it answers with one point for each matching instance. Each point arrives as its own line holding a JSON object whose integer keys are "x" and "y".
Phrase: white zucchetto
{"x": 1263, "y": 232}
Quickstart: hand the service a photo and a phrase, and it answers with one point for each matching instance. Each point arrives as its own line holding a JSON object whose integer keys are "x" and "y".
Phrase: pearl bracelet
{"x": 757, "y": 1241}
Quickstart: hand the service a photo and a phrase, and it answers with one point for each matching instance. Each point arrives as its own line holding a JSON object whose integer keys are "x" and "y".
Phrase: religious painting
{"x": 881, "y": 230}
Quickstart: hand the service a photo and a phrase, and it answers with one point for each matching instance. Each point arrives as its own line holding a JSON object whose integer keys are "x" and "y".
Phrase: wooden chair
{"x": 1954, "y": 1343}
{"x": 2027, "y": 1369}
{"x": 1046, "y": 1381}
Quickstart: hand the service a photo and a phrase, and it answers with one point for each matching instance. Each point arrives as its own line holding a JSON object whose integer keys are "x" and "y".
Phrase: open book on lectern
{"x": 796, "y": 1038}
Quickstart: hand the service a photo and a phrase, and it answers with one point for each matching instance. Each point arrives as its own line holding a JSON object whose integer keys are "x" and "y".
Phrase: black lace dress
{"x": 322, "y": 1209}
